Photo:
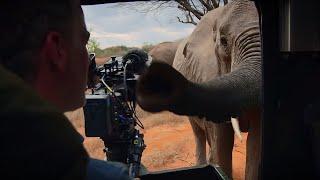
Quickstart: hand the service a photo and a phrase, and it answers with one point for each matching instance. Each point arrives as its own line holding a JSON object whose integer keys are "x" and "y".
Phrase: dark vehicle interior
{"x": 291, "y": 102}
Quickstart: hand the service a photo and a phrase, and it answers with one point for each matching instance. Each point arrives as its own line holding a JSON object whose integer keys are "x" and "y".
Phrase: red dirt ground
{"x": 170, "y": 143}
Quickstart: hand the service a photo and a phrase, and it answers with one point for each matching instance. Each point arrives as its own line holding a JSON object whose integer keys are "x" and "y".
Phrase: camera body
{"x": 110, "y": 108}
{"x": 105, "y": 118}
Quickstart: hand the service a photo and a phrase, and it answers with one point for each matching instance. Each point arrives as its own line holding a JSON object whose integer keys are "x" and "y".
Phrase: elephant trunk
{"x": 235, "y": 92}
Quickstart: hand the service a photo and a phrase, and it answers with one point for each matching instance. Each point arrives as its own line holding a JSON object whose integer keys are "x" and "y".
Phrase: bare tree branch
{"x": 186, "y": 22}
{"x": 188, "y": 7}
{"x": 204, "y": 10}
{"x": 192, "y": 10}
{"x": 191, "y": 19}
{"x": 215, "y": 3}
{"x": 194, "y": 6}
{"x": 206, "y": 4}
{"x": 182, "y": 8}
{"x": 147, "y": 7}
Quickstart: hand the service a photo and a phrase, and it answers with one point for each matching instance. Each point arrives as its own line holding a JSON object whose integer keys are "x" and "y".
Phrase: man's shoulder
{"x": 36, "y": 138}
{"x": 21, "y": 106}
{"x": 16, "y": 94}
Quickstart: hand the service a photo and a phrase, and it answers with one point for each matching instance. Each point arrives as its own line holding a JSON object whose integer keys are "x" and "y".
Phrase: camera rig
{"x": 110, "y": 108}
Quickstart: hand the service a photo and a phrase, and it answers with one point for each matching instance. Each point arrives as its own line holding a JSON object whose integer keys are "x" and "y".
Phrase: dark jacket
{"x": 37, "y": 141}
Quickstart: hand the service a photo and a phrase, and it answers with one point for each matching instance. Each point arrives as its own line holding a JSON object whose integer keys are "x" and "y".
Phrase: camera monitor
{"x": 98, "y": 115}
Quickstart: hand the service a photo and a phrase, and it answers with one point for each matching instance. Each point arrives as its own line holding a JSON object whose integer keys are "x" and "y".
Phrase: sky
{"x": 112, "y": 25}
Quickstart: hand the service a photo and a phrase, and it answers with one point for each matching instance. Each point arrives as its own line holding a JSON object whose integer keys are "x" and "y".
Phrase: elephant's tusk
{"x": 236, "y": 128}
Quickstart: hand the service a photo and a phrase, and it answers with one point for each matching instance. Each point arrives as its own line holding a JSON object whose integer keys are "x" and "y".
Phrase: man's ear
{"x": 54, "y": 52}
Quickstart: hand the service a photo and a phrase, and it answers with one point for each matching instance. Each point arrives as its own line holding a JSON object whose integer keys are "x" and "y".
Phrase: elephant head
{"x": 237, "y": 48}
{"x": 195, "y": 57}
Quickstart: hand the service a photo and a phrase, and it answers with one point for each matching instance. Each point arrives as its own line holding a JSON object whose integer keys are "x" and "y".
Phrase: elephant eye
{"x": 224, "y": 41}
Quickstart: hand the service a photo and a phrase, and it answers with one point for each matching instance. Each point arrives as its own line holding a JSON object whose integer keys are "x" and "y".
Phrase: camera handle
{"x": 135, "y": 153}
{"x": 116, "y": 151}
{"x": 127, "y": 152}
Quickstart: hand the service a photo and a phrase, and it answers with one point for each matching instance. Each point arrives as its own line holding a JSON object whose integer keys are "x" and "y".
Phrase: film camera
{"x": 110, "y": 107}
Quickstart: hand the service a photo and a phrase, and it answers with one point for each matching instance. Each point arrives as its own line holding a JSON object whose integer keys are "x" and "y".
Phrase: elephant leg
{"x": 200, "y": 140}
{"x": 253, "y": 147}
{"x": 211, "y": 135}
{"x": 225, "y": 138}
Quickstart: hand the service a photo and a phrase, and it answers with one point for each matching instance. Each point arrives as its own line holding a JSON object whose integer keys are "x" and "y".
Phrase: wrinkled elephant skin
{"x": 223, "y": 70}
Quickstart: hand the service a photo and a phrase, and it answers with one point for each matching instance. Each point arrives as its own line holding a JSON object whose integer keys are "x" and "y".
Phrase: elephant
{"x": 233, "y": 91}
{"x": 196, "y": 70}
{"x": 196, "y": 60}
{"x": 172, "y": 54}
{"x": 165, "y": 51}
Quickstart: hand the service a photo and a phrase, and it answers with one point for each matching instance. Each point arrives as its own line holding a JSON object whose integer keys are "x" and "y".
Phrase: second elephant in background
{"x": 165, "y": 51}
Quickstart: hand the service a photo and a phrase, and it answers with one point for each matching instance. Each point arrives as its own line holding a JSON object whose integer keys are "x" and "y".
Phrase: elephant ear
{"x": 179, "y": 59}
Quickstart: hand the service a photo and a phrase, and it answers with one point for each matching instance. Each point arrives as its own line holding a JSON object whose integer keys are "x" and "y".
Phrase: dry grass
{"x": 169, "y": 139}
{"x": 95, "y": 146}
{"x": 77, "y": 119}
{"x": 102, "y": 60}
{"x": 159, "y": 158}
{"x": 141, "y": 113}
{"x": 162, "y": 118}
{"x": 148, "y": 119}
